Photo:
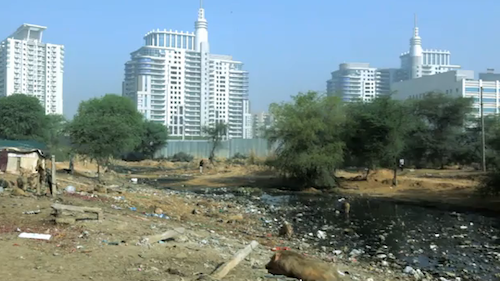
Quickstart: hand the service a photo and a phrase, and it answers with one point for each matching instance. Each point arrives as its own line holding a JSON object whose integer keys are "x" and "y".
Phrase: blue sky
{"x": 287, "y": 45}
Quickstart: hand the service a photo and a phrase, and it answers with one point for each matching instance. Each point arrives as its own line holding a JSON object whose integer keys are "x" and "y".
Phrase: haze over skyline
{"x": 286, "y": 48}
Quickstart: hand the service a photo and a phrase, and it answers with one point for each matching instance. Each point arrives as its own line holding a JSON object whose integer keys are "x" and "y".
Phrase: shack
{"x": 12, "y": 160}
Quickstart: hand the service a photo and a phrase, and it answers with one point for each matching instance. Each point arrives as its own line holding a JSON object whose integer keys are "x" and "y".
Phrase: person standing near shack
{"x": 201, "y": 166}
{"x": 40, "y": 168}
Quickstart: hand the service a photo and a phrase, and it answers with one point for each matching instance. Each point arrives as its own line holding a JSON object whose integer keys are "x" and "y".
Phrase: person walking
{"x": 201, "y": 166}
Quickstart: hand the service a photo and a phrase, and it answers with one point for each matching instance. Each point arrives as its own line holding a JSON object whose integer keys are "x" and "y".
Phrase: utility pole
{"x": 483, "y": 137}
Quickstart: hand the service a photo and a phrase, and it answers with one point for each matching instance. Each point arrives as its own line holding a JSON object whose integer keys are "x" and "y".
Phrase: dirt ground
{"x": 214, "y": 230}
{"x": 86, "y": 250}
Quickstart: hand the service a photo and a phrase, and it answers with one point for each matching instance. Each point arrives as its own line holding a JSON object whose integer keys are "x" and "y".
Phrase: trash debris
{"x": 32, "y": 212}
{"x": 70, "y": 189}
{"x": 35, "y": 236}
{"x": 321, "y": 234}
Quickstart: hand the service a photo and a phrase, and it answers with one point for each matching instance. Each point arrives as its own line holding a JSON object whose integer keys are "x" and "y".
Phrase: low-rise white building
{"x": 458, "y": 83}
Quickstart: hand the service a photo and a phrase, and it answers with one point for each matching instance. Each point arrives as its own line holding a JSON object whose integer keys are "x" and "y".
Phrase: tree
{"x": 375, "y": 133}
{"x": 22, "y": 117}
{"x": 308, "y": 135}
{"x": 440, "y": 120}
{"x": 215, "y": 134}
{"x": 55, "y": 129}
{"x": 153, "y": 138}
{"x": 105, "y": 127}
{"x": 490, "y": 183}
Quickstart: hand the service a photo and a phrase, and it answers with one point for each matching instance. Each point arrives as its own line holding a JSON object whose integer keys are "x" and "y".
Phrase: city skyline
{"x": 95, "y": 50}
{"x": 360, "y": 80}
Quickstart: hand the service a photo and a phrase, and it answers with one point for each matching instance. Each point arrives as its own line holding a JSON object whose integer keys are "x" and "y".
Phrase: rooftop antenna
{"x": 201, "y": 4}
{"x": 414, "y": 19}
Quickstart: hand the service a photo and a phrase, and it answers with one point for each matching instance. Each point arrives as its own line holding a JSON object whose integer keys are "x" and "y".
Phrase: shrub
{"x": 181, "y": 157}
{"x": 239, "y": 156}
{"x": 490, "y": 185}
{"x": 133, "y": 157}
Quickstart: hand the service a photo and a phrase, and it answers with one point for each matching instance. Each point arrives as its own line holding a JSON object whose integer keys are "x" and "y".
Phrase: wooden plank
{"x": 224, "y": 269}
{"x": 164, "y": 236}
{"x": 62, "y": 208}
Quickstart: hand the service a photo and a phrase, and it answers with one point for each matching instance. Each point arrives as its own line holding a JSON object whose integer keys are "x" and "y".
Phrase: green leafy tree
{"x": 55, "y": 129}
{"x": 215, "y": 134}
{"x": 490, "y": 184}
{"x": 308, "y": 135}
{"x": 22, "y": 117}
{"x": 153, "y": 138}
{"x": 57, "y": 142}
{"x": 375, "y": 133}
{"x": 105, "y": 127}
{"x": 440, "y": 121}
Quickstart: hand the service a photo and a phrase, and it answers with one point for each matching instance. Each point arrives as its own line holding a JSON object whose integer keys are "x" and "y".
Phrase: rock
{"x": 409, "y": 270}
{"x": 158, "y": 211}
{"x": 174, "y": 271}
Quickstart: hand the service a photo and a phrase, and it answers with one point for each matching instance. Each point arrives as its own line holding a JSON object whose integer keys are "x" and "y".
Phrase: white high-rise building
{"x": 419, "y": 62}
{"x": 359, "y": 81}
{"x": 29, "y": 66}
{"x": 175, "y": 80}
{"x": 261, "y": 122}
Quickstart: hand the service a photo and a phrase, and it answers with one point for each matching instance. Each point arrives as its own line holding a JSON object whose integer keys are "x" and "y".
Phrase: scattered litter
{"x": 35, "y": 236}
{"x": 70, "y": 189}
{"x": 162, "y": 216}
{"x": 321, "y": 234}
{"x": 133, "y": 209}
{"x": 133, "y": 180}
{"x": 117, "y": 208}
{"x": 32, "y": 212}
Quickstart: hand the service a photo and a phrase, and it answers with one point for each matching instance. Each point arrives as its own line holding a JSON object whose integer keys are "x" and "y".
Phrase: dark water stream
{"x": 440, "y": 242}
{"x": 388, "y": 234}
